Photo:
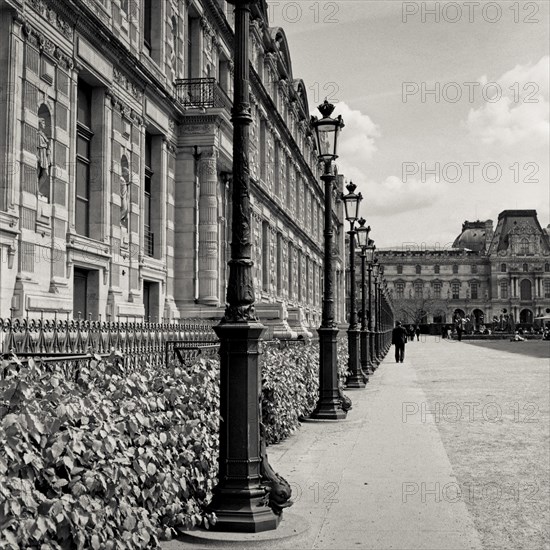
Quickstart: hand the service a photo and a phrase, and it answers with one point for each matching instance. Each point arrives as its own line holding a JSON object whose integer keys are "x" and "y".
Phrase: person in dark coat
{"x": 417, "y": 332}
{"x": 399, "y": 339}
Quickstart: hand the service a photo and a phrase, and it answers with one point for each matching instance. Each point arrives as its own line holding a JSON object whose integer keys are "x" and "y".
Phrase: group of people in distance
{"x": 401, "y": 335}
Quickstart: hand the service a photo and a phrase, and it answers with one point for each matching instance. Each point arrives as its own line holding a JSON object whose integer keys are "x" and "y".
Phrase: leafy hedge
{"x": 108, "y": 458}
{"x": 290, "y": 385}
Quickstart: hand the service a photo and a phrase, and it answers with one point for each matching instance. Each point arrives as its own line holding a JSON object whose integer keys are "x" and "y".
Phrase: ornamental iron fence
{"x": 138, "y": 343}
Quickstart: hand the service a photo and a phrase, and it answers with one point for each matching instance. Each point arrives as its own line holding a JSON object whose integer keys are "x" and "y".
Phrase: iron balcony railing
{"x": 201, "y": 93}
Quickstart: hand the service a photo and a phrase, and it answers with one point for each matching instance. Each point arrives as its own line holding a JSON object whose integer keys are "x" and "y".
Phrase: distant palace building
{"x": 489, "y": 273}
{"x": 116, "y": 160}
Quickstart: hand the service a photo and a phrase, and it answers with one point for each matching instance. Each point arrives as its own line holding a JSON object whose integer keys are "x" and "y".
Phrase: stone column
{"x": 208, "y": 229}
{"x": 185, "y": 224}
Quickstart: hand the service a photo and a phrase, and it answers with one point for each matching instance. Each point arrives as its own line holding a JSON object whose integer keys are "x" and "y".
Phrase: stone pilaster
{"x": 208, "y": 230}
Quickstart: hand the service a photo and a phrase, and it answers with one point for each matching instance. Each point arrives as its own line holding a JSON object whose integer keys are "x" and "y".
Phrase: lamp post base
{"x": 329, "y": 405}
{"x": 356, "y": 378}
{"x": 243, "y": 514}
{"x": 241, "y": 499}
{"x": 365, "y": 367}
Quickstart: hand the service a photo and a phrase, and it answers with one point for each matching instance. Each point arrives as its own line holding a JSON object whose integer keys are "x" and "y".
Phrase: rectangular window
{"x": 277, "y": 170}
{"x": 400, "y": 290}
{"x": 504, "y": 289}
{"x": 455, "y": 289}
{"x": 147, "y": 26}
{"x": 265, "y": 256}
{"x": 263, "y": 150}
{"x": 474, "y": 268}
{"x": 85, "y": 293}
{"x": 148, "y": 235}
{"x": 298, "y": 196}
{"x": 151, "y": 301}
{"x": 474, "y": 291}
{"x": 83, "y": 159}
{"x": 279, "y": 264}
{"x": 80, "y": 291}
{"x": 437, "y": 290}
{"x": 418, "y": 290}
{"x": 290, "y": 274}
{"x": 547, "y": 289}
{"x": 288, "y": 183}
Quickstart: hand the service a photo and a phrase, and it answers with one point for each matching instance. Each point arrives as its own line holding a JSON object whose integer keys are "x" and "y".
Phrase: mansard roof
{"x": 518, "y": 222}
{"x": 281, "y": 44}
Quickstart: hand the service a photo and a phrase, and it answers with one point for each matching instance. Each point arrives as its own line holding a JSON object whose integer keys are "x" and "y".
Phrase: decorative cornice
{"x": 46, "y": 46}
{"x": 52, "y": 17}
{"x": 127, "y": 84}
{"x": 124, "y": 109}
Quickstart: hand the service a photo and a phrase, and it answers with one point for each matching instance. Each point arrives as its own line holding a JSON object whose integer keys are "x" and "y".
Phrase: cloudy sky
{"x": 446, "y": 120}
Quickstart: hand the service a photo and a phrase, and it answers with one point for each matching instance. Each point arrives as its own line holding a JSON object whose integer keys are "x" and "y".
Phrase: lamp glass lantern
{"x": 327, "y": 130}
{"x": 363, "y": 234}
{"x": 370, "y": 252}
{"x": 351, "y": 202}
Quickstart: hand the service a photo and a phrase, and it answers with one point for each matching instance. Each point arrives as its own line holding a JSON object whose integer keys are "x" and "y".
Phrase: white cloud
{"x": 519, "y": 121}
{"x": 390, "y": 196}
{"x": 394, "y": 196}
{"x": 358, "y": 136}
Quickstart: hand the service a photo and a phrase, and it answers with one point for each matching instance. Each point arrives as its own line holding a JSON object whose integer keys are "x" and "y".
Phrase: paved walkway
{"x": 381, "y": 479}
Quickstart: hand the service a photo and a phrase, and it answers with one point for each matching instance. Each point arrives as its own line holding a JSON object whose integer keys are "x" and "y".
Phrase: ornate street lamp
{"x": 239, "y": 501}
{"x": 355, "y": 378}
{"x": 363, "y": 240}
{"x": 329, "y": 404}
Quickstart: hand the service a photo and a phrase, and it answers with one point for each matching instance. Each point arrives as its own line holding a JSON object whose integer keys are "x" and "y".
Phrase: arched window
{"x": 418, "y": 269}
{"x": 503, "y": 268}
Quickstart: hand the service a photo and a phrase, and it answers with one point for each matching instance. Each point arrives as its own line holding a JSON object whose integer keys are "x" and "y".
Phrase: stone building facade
{"x": 490, "y": 274}
{"x": 116, "y": 158}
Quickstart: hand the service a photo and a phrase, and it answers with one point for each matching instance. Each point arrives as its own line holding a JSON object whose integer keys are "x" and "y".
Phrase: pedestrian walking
{"x": 459, "y": 329}
{"x": 399, "y": 339}
{"x": 417, "y": 332}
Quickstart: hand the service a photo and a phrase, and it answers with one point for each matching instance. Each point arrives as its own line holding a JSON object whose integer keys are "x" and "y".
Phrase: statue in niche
{"x": 44, "y": 156}
{"x": 124, "y": 194}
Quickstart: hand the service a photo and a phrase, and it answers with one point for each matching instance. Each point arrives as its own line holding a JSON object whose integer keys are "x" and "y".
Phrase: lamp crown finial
{"x": 326, "y": 108}
{"x": 351, "y": 187}
{"x": 362, "y": 222}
